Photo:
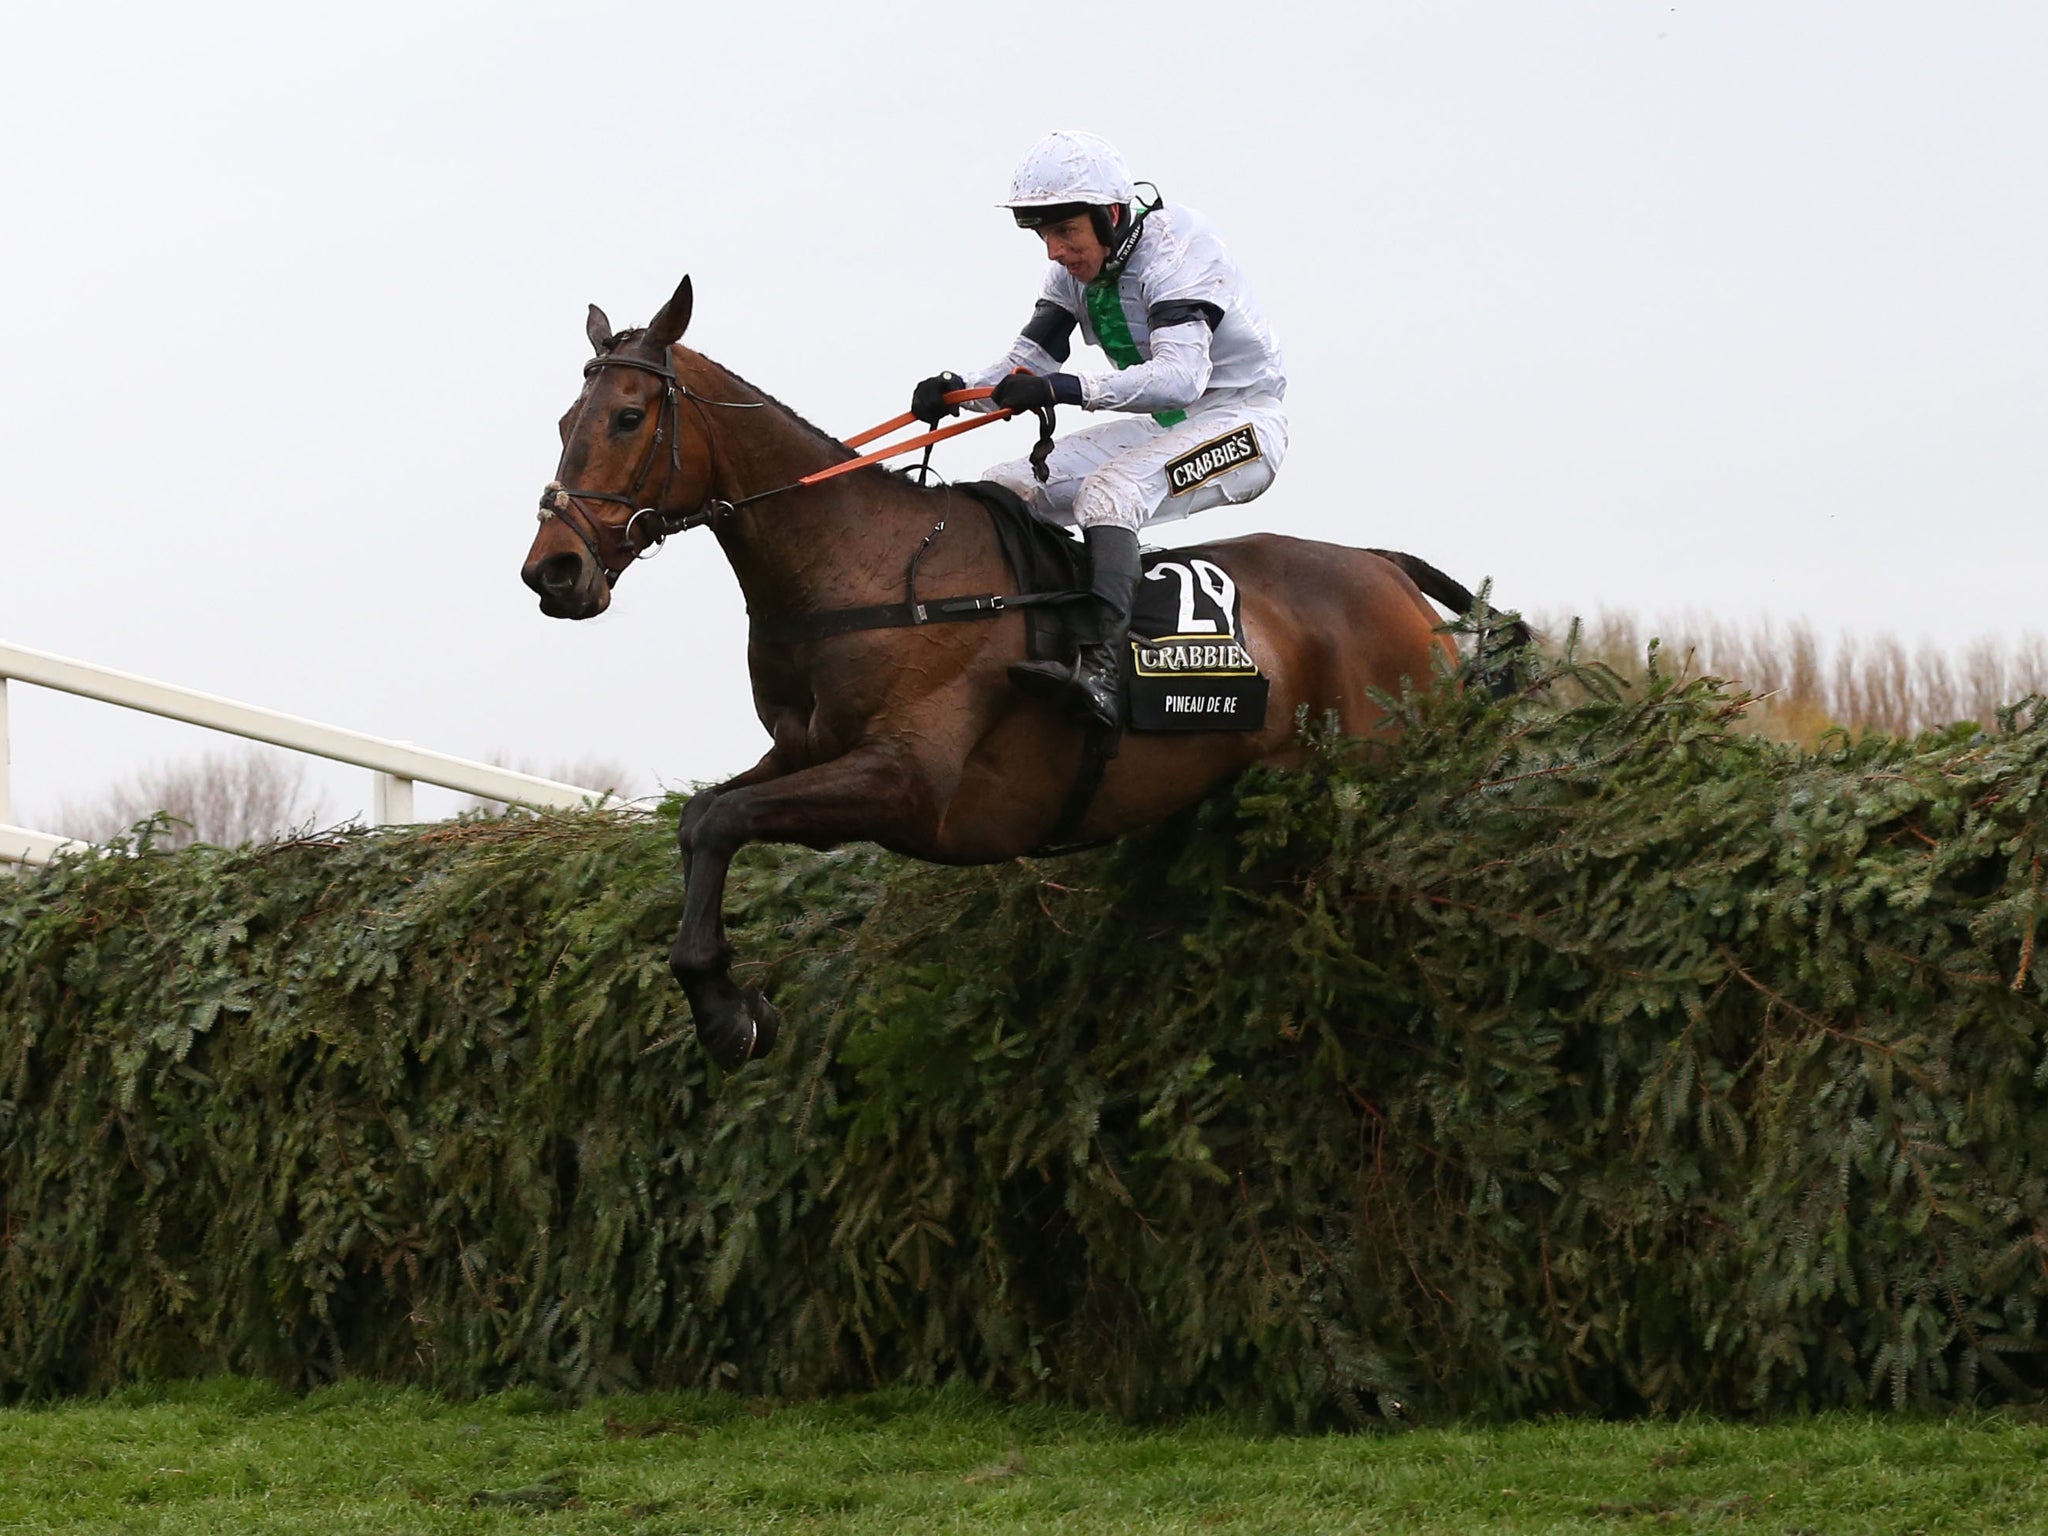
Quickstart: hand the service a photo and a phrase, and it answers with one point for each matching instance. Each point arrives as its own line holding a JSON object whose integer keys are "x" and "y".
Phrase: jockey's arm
{"x": 1045, "y": 342}
{"x": 1174, "y": 377}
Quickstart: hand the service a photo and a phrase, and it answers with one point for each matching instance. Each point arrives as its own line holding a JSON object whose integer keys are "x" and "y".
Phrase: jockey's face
{"x": 1072, "y": 244}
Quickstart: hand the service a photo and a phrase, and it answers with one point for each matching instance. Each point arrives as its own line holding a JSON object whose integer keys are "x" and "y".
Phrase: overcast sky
{"x": 1732, "y": 307}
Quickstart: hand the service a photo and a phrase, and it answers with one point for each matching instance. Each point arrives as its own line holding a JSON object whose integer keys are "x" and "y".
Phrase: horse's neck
{"x": 842, "y": 543}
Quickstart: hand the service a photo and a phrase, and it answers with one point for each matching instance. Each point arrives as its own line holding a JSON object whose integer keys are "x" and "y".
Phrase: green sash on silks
{"x": 1113, "y": 331}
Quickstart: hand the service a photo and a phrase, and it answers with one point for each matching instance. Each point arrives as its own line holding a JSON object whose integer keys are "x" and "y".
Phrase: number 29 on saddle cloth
{"x": 1190, "y": 670}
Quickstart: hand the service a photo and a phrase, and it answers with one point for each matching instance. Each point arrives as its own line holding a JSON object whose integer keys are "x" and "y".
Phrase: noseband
{"x": 558, "y": 501}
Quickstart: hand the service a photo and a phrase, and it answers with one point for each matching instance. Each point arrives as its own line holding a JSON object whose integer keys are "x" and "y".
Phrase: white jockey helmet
{"x": 1068, "y": 171}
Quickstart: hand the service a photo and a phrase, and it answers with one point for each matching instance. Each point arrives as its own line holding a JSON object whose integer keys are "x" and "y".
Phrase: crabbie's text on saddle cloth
{"x": 1167, "y": 657}
{"x": 1189, "y": 669}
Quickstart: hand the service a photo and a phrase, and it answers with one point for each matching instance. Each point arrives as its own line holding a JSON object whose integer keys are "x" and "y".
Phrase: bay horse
{"x": 909, "y": 737}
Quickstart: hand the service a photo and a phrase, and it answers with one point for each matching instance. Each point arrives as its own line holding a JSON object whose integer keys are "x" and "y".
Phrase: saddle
{"x": 1043, "y": 557}
{"x": 1188, "y": 669}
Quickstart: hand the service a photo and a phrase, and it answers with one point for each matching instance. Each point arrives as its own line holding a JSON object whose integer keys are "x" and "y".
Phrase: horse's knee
{"x": 714, "y": 824}
{"x": 695, "y": 809}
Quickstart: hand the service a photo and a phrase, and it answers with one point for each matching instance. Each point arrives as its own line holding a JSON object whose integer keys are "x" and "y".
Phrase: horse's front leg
{"x": 869, "y": 793}
{"x": 770, "y": 767}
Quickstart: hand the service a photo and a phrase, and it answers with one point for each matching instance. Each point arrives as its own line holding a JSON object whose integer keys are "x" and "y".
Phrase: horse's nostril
{"x": 557, "y": 576}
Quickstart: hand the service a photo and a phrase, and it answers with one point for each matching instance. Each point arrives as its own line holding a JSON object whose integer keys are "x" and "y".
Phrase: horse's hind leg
{"x": 865, "y": 794}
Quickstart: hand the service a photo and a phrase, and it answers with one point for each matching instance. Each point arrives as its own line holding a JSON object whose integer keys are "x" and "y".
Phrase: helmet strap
{"x": 1135, "y": 213}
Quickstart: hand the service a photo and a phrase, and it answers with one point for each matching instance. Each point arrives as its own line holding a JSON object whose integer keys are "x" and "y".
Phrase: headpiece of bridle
{"x": 653, "y": 520}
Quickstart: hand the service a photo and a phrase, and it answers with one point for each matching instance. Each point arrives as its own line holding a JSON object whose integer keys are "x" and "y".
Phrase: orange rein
{"x": 953, "y": 397}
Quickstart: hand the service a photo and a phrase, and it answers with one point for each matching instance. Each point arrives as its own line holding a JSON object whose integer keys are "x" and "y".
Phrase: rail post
{"x": 6, "y": 759}
{"x": 391, "y": 804}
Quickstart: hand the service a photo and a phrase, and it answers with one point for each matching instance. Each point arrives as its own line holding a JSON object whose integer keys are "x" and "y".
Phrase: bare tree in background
{"x": 1862, "y": 683}
{"x": 600, "y": 777}
{"x": 226, "y": 798}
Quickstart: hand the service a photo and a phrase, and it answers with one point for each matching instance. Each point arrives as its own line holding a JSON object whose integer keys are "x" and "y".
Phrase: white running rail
{"x": 396, "y": 765}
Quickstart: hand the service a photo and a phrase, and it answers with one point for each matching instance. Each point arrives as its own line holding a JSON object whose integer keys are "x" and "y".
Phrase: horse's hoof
{"x": 767, "y": 1021}
{"x": 725, "y": 1028}
{"x": 729, "y": 1042}
{"x": 738, "y": 1029}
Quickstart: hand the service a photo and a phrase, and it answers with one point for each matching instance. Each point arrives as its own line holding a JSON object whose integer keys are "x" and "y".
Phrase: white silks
{"x": 1189, "y": 346}
{"x": 1180, "y": 260}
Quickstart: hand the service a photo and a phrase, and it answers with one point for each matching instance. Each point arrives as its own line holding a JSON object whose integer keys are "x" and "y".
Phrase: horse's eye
{"x": 628, "y": 420}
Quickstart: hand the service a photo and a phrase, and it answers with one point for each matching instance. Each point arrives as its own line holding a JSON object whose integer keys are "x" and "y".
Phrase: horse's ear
{"x": 598, "y": 329}
{"x": 667, "y": 328}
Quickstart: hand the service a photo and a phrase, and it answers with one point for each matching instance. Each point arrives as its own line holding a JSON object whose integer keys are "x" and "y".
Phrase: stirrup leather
{"x": 1092, "y": 687}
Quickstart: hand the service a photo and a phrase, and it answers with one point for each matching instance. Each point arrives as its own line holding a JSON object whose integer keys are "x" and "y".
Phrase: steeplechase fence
{"x": 1577, "y": 1052}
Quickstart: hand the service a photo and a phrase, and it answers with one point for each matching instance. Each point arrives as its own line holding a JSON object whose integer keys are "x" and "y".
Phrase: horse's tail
{"x": 1502, "y": 642}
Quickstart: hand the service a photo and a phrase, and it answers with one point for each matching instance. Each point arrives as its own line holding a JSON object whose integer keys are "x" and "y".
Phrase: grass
{"x": 228, "y": 1457}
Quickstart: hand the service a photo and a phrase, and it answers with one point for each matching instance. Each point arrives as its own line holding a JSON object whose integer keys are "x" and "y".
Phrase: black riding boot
{"x": 1091, "y": 688}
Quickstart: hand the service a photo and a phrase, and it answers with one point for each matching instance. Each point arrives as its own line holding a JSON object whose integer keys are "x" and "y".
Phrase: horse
{"x": 911, "y": 736}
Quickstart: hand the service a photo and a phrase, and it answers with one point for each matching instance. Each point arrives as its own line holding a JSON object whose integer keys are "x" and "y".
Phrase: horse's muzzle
{"x": 570, "y": 585}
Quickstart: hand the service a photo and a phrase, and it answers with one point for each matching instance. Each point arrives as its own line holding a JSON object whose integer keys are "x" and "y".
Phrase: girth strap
{"x": 1098, "y": 746}
{"x": 791, "y": 629}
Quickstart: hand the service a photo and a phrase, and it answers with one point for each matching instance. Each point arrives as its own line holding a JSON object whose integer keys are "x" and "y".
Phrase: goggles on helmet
{"x": 1100, "y": 218}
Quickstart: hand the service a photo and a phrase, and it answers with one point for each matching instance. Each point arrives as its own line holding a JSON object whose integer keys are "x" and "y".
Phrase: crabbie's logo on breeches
{"x": 1192, "y": 470}
{"x": 1190, "y": 670}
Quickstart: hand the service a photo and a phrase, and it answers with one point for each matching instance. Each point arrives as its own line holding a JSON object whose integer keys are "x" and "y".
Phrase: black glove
{"x": 928, "y": 400}
{"x": 1031, "y": 391}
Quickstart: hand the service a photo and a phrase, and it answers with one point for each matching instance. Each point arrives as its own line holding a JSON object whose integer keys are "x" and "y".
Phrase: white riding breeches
{"x": 1132, "y": 471}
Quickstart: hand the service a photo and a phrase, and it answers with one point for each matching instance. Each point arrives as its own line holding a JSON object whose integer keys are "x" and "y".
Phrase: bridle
{"x": 559, "y": 501}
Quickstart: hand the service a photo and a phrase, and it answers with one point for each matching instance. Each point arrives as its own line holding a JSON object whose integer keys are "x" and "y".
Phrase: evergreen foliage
{"x": 1565, "y": 1056}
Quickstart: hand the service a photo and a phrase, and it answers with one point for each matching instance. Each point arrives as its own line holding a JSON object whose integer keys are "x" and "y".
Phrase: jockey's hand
{"x": 1030, "y": 391}
{"x": 928, "y": 400}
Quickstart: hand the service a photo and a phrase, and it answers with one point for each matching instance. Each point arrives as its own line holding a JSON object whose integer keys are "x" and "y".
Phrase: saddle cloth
{"x": 1188, "y": 669}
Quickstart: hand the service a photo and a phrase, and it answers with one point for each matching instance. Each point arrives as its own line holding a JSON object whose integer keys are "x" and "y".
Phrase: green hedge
{"x": 1589, "y": 1057}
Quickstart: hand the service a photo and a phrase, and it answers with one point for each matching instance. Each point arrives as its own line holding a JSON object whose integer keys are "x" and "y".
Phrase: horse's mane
{"x": 898, "y": 477}
{"x": 796, "y": 416}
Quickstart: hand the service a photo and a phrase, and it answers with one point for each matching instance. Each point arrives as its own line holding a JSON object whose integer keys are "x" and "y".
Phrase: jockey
{"x": 1197, "y": 374}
